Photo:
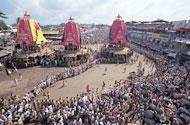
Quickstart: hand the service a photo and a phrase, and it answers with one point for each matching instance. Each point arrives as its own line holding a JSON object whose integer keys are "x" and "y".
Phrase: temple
{"x": 29, "y": 32}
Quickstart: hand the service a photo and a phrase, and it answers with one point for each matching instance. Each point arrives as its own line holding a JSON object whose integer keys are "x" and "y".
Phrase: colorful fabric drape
{"x": 71, "y": 34}
{"x": 118, "y": 32}
{"x": 29, "y": 32}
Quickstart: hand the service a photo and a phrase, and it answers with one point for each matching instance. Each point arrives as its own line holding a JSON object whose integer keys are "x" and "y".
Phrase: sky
{"x": 95, "y": 11}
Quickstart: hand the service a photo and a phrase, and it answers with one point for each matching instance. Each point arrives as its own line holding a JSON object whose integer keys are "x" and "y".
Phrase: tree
{"x": 3, "y": 26}
{"x": 2, "y": 15}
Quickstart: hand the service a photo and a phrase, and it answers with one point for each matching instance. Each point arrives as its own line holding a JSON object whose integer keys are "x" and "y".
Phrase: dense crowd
{"x": 159, "y": 98}
{"x": 12, "y": 111}
{"x": 153, "y": 45}
{"x": 96, "y": 35}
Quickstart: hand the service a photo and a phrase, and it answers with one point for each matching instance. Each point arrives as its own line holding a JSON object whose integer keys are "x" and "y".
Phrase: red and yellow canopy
{"x": 29, "y": 32}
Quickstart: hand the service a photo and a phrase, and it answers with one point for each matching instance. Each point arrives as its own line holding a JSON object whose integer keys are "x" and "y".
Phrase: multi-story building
{"x": 162, "y": 36}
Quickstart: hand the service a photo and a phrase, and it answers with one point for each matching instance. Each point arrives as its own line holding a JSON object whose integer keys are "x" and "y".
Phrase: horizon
{"x": 95, "y": 12}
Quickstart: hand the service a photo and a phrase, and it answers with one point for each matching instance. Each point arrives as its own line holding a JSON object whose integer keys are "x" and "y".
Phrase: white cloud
{"x": 96, "y": 11}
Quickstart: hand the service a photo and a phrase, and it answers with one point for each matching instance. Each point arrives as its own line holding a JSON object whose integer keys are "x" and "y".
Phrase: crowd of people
{"x": 95, "y": 35}
{"x": 159, "y": 98}
{"x": 30, "y": 96}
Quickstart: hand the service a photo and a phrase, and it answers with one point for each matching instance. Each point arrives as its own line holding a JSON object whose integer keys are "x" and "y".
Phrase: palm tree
{"x": 2, "y": 15}
{"x": 2, "y": 23}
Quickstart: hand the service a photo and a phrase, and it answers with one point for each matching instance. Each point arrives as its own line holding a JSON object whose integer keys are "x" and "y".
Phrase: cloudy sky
{"x": 95, "y": 11}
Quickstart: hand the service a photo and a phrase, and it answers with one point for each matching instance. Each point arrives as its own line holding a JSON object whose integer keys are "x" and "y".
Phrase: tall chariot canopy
{"x": 118, "y": 32}
{"x": 29, "y": 32}
{"x": 71, "y": 36}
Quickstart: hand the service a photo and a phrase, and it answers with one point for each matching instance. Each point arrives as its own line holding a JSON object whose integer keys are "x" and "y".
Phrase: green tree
{"x": 3, "y": 26}
{"x": 2, "y": 15}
